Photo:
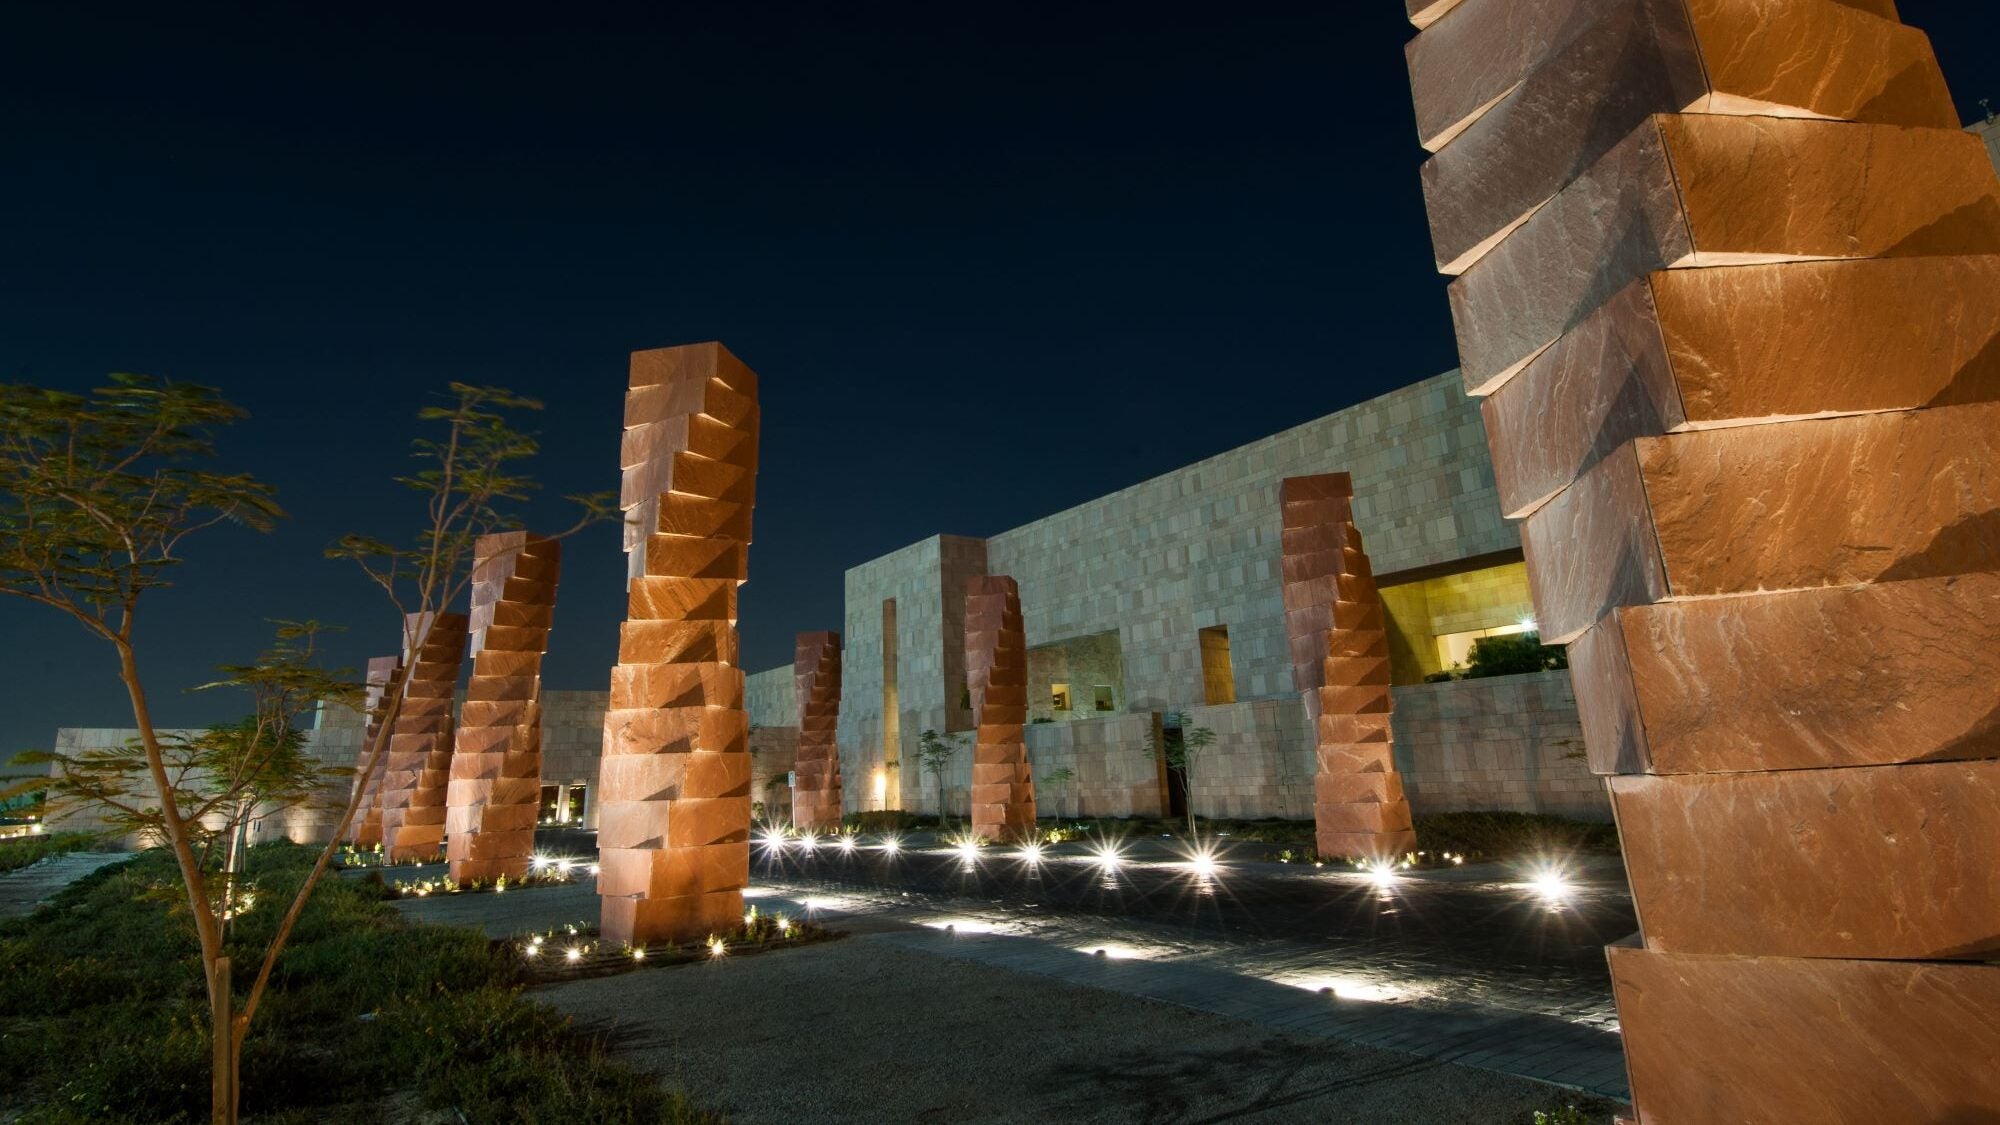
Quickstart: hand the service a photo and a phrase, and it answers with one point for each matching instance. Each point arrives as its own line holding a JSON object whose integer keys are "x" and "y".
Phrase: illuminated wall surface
{"x": 1727, "y": 281}
{"x": 1131, "y": 580}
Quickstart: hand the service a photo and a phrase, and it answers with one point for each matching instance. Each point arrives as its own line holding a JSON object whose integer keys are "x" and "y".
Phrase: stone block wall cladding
{"x": 1511, "y": 742}
{"x": 771, "y": 697}
{"x": 1147, "y": 568}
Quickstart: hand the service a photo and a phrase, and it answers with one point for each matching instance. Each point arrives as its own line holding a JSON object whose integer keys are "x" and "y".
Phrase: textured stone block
{"x": 1340, "y": 665}
{"x": 366, "y": 828}
{"x": 1870, "y": 862}
{"x": 1712, "y": 1039}
{"x": 1776, "y": 57}
{"x": 1842, "y": 676}
{"x": 1710, "y": 190}
{"x": 1668, "y": 353}
{"x": 490, "y": 829}
{"x": 996, "y": 673}
{"x": 1621, "y": 61}
{"x": 1825, "y": 502}
{"x": 673, "y": 787}
{"x": 420, "y": 740}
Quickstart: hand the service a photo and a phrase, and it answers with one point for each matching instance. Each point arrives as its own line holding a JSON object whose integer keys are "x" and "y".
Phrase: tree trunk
{"x": 222, "y": 1079}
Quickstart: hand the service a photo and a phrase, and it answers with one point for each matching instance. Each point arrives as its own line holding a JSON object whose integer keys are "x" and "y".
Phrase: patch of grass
{"x": 21, "y": 851}
{"x": 102, "y": 1016}
{"x": 1511, "y": 835}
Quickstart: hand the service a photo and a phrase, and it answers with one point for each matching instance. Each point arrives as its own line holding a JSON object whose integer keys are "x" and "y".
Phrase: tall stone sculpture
{"x": 674, "y": 790}
{"x": 996, "y": 672}
{"x": 1727, "y": 281}
{"x": 816, "y": 670}
{"x": 366, "y": 831}
{"x": 1340, "y": 664}
{"x": 413, "y": 781}
{"x": 496, "y": 768}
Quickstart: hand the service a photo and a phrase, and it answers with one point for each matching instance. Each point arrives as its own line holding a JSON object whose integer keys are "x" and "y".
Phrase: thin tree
{"x": 936, "y": 751}
{"x": 99, "y": 492}
{"x": 1181, "y": 753}
{"x": 1058, "y": 779}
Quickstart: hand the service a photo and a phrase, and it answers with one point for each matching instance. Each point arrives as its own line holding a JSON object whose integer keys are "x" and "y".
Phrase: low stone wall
{"x": 1114, "y": 775}
{"x": 1508, "y": 742}
{"x": 1260, "y": 765}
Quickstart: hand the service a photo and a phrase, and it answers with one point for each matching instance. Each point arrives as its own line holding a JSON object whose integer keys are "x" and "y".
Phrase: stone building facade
{"x": 1154, "y": 606}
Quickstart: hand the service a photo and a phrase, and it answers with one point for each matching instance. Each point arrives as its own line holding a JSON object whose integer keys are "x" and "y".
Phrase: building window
{"x": 1102, "y": 698}
{"x": 573, "y": 803}
{"x": 551, "y": 799}
{"x": 1218, "y": 679}
{"x": 1059, "y": 696}
{"x": 1455, "y": 649}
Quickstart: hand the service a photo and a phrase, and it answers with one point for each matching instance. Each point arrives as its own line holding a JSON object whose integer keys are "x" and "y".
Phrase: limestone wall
{"x": 1507, "y": 742}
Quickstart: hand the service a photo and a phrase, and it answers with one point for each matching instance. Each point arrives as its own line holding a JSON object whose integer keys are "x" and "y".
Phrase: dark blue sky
{"x": 989, "y": 262}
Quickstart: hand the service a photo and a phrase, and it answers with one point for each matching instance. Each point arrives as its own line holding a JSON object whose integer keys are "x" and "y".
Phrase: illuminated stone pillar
{"x": 674, "y": 783}
{"x": 816, "y": 672}
{"x": 366, "y": 829}
{"x": 996, "y": 672}
{"x": 413, "y": 782}
{"x": 1726, "y": 281}
{"x": 1340, "y": 664}
{"x": 496, "y": 767}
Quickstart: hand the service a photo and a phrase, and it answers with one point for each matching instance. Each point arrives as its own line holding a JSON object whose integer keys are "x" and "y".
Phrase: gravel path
{"x": 862, "y": 1030}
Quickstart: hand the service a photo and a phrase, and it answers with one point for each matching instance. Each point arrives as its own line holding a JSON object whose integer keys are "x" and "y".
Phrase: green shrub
{"x": 1510, "y": 835}
{"x": 1512, "y": 655}
{"x": 887, "y": 820}
{"x": 21, "y": 851}
{"x": 102, "y": 1016}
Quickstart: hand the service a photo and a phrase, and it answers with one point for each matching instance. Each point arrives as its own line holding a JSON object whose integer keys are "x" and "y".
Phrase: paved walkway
{"x": 1347, "y": 996}
{"x": 21, "y": 891}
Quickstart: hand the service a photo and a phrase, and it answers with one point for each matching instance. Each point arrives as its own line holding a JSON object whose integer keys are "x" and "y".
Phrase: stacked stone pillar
{"x": 996, "y": 673}
{"x": 674, "y": 787}
{"x": 366, "y": 829}
{"x": 496, "y": 767}
{"x": 1726, "y": 279}
{"x": 816, "y": 673}
{"x": 420, "y": 740}
{"x": 1340, "y": 665}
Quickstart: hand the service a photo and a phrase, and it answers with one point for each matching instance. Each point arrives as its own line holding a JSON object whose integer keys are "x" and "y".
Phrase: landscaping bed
{"x": 369, "y": 1017}
{"x": 23, "y": 851}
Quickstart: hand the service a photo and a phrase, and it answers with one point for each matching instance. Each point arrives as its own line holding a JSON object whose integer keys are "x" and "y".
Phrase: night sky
{"x": 989, "y": 262}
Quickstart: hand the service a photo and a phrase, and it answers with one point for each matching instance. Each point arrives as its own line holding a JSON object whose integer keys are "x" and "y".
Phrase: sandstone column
{"x": 816, "y": 671}
{"x": 496, "y": 766}
{"x": 413, "y": 782}
{"x": 996, "y": 672}
{"x": 1340, "y": 664}
{"x": 1727, "y": 283}
{"x": 674, "y": 786}
{"x": 366, "y": 828}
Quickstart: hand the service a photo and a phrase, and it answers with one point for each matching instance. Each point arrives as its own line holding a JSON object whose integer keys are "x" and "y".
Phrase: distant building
{"x": 1160, "y": 603}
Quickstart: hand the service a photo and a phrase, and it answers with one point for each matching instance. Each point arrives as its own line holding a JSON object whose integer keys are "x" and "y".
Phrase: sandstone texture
{"x": 366, "y": 828}
{"x": 674, "y": 784}
{"x": 1806, "y": 679}
{"x": 1340, "y": 665}
{"x": 1620, "y": 62}
{"x": 1711, "y": 1039}
{"x": 1862, "y": 862}
{"x": 420, "y": 740}
{"x": 1822, "y": 502}
{"x": 1714, "y": 190}
{"x": 1740, "y": 377}
{"x": 816, "y": 800}
{"x": 996, "y": 674}
{"x": 495, "y": 792}
{"x": 1666, "y": 353}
